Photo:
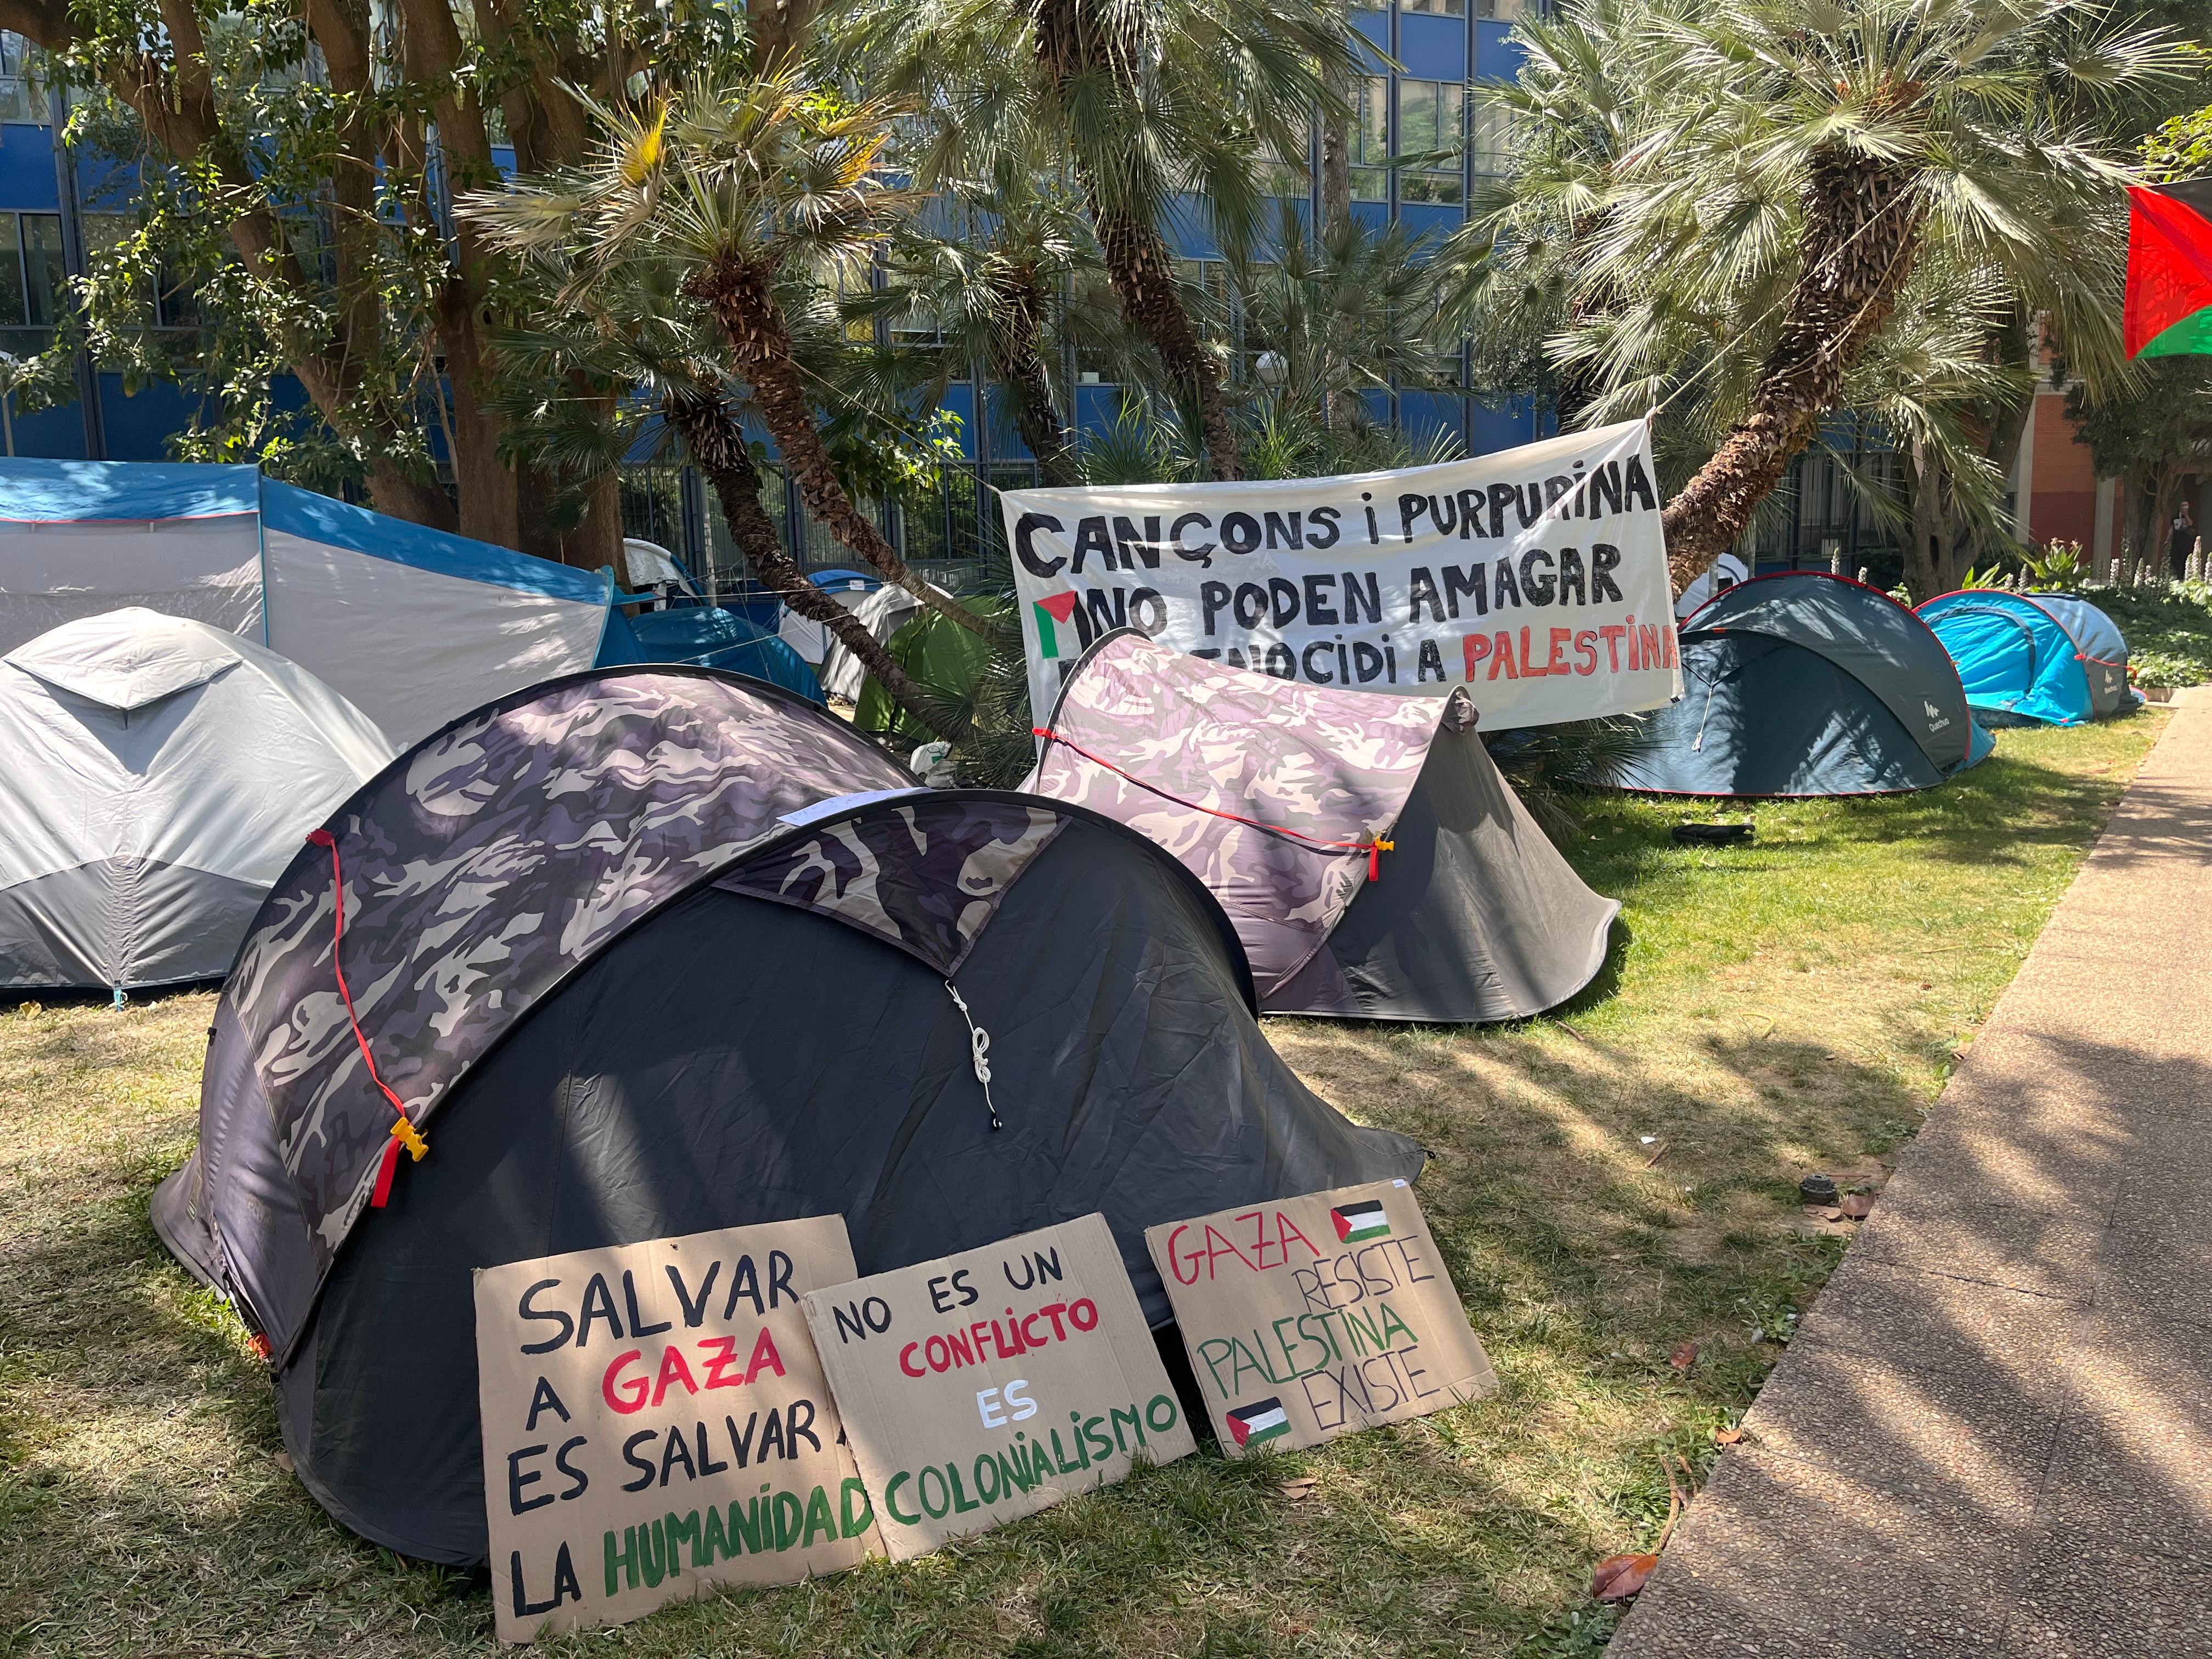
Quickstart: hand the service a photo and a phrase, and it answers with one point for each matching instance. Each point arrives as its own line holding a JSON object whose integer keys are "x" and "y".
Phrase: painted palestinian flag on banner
{"x": 1364, "y": 1220}
{"x": 1260, "y": 1421}
{"x": 2169, "y": 300}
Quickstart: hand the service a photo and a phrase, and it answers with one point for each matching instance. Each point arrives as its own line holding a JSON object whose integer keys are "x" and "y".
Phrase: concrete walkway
{"x": 1993, "y": 1435}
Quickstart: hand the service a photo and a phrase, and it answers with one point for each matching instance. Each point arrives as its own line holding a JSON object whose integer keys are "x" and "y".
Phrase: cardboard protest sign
{"x": 1535, "y": 579}
{"x": 655, "y": 1422}
{"x": 1313, "y": 1317}
{"x": 978, "y": 1388}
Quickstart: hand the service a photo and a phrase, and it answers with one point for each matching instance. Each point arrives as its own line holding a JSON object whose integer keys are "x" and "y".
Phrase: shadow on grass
{"x": 1993, "y": 1421}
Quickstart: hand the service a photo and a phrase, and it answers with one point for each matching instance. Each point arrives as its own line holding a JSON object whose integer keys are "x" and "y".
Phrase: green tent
{"x": 945, "y": 659}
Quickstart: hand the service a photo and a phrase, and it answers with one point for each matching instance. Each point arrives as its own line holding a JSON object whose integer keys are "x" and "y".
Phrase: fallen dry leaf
{"x": 282, "y": 1461}
{"x": 1729, "y": 1437}
{"x": 1684, "y": 1356}
{"x": 1824, "y": 1212}
{"x": 1620, "y": 1577}
{"x": 1296, "y": 1491}
{"x": 1857, "y": 1205}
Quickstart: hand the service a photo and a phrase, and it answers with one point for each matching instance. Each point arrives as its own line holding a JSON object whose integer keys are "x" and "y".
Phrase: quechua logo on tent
{"x": 1051, "y": 612}
{"x": 1258, "y": 1423}
{"x": 1356, "y": 1223}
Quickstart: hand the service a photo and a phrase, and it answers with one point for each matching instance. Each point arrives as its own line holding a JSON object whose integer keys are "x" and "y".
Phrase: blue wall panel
{"x": 1423, "y": 415}
{"x": 27, "y": 170}
{"x": 1495, "y": 56}
{"x": 138, "y": 427}
{"x": 1501, "y": 426}
{"x": 1428, "y": 222}
{"x": 1432, "y": 48}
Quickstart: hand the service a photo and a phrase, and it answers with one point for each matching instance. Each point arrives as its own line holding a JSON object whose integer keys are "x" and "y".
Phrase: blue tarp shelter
{"x": 412, "y": 626}
{"x": 1805, "y": 683}
{"x": 711, "y": 636}
{"x": 2044, "y": 658}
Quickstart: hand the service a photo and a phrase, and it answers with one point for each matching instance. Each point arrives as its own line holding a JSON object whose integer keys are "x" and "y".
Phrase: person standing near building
{"x": 2181, "y": 540}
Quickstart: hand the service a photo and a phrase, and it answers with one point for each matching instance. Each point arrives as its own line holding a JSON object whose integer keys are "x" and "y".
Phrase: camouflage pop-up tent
{"x": 647, "y": 952}
{"x": 1374, "y": 862}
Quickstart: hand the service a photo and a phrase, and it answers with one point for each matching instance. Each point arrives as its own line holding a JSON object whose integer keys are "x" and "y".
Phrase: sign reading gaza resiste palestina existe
{"x": 1536, "y": 578}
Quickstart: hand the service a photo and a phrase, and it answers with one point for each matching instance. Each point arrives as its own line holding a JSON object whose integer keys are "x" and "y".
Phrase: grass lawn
{"x": 1791, "y": 1006}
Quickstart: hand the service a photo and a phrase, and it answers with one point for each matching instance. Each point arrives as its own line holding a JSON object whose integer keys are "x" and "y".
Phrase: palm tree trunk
{"x": 743, "y": 299}
{"x": 1070, "y": 40}
{"x": 718, "y": 449}
{"x": 1861, "y": 233}
{"x": 1014, "y": 337}
{"x": 1924, "y": 487}
{"x": 1137, "y": 265}
{"x": 1336, "y": 147}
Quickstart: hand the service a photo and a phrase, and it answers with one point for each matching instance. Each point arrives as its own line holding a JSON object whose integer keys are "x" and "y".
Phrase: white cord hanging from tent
{"x": 979, "y": 1041}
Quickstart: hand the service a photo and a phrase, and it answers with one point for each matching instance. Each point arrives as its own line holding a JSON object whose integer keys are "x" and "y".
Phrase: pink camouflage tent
{"x": 1371, "y": 858}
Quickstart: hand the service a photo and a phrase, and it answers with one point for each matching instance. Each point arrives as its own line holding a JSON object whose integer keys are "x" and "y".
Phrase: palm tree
{"x": 751, "y": 191}
{"x": 1152, "y": 103}
{"x": 632, "y": 331}
{"x": 1341, "y": 313}
{"x": 1011, "y": 252}
{"x": 1943, "y": 381}
{"x": 1772, "y": 175}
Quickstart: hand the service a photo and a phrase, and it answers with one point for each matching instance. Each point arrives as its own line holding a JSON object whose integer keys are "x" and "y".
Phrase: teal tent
{"x": 2032, "y": 658}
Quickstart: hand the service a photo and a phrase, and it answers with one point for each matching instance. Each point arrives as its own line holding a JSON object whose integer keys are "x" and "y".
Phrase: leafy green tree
{"x": 2154, "y": 430}
{"x": 2181, "y": 148}
{"x": 296, "y": 168}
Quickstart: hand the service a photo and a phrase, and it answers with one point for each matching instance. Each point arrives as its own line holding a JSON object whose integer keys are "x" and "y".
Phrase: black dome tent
{"x": 647, "y": 952}
{"x": 1805, "y": 684}
{"x": 1372, "y": 859}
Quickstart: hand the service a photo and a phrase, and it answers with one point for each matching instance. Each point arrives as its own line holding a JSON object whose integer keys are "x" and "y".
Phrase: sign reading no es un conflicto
{"x": 1313, "y": 1317}
{"x": 984, "y": 1386}
{"x": 655, "y": 1422}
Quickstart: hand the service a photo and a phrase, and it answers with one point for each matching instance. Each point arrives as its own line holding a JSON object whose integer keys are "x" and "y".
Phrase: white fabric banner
{"x": 1535, "y": 577}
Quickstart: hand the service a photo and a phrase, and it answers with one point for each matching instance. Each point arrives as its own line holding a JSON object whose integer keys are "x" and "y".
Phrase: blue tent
{"x": 2024, "y": 658}
{"x": 411, "y": 626}
{"x": 712, "y": 637}
{"x": 1805, "y": 683}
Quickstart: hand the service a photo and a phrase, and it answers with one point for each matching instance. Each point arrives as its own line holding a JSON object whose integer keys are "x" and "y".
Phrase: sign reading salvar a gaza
{"x": 1536, "y": 578}
{"x": 1313, "y": 1317}
{"x": 980, "y": 1387}
{"x": 655, "y": 1422}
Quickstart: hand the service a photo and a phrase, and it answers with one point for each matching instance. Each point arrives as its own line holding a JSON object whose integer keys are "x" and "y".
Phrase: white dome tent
{"x": 156, "y": 775}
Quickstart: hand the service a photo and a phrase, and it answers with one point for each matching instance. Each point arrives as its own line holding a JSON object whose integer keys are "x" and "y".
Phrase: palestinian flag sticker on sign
{"x": 1356, "y": 1223}
{"x": 1258, "y": 1423}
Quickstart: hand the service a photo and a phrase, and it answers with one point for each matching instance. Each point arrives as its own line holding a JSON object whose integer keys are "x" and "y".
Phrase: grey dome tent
{"x": 1282, "y": 798}
{"x": 156, "y": 775}
{"x": 1805, "y": 684}
{"x": 647, "y": 952}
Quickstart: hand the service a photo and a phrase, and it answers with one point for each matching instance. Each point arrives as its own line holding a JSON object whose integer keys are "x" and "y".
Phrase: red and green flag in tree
{"x": 2169, "y": 303}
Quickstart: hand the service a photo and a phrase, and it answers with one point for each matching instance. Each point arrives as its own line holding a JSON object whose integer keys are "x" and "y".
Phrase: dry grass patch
{"x": 1792, "y": 1006}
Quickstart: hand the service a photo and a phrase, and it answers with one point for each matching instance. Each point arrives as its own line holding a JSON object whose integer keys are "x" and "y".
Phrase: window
{"x": 1504, "y": 11}
{"x": 1206, "y": 291}
{"x": 33, "y": 282}
{"x": 22, "y": 98}
{"x": 1286, "y": 173}
{"x": 1437, "y": 8}
{"x": 1489, "y": 137}
{"x": 1371, "y": 143}
{"x": 1431, "y": 136}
